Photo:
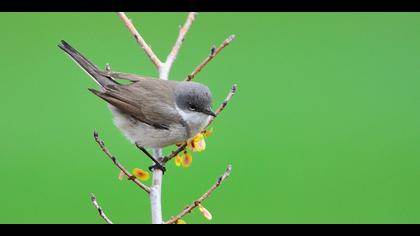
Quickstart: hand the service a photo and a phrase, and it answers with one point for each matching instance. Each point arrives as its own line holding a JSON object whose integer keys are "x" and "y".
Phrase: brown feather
{"x": 139, "y": 100}
{"x": 125, "y": 76}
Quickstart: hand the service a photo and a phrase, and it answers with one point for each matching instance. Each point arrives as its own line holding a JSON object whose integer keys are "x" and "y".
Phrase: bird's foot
{"x": 157, "y": 164}
{"x": 158, "y": 167}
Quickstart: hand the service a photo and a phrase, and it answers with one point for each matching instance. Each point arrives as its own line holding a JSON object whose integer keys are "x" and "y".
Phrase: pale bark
{"x": 100, "y": 211}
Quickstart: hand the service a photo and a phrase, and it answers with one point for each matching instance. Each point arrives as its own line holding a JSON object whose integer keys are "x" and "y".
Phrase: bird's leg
{"x": 157, "y": 164}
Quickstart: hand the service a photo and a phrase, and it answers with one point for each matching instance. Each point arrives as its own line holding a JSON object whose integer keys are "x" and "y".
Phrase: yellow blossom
{"x": 197, "y": 144}
{"x": 187, "y": 160}
{"x": 180, "y": 222}
{"x": 205, "y": 212}
{"x": 178, "y": 160}
{"x": 141, "y": 174}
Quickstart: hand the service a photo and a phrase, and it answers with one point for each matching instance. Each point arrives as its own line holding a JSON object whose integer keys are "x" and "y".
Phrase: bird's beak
{"x": 210, "y": 113}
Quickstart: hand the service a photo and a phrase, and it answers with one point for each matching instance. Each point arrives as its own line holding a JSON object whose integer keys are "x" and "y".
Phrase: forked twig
{"x": 164, "y": 68}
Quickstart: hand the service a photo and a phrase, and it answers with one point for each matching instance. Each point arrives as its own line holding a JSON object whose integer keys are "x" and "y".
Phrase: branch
{"x": 182, "y": 32}
{"x": 218, "y": 111}
{"x": 99, "y": 208}
{"x": 140, "y": 40}
{"x": 114, "y": 160}
{"x": 156, "y": 191}
{"x": 213, "y": 53}
{"x": 224, "y": 104}
{"x": 174, "y": 153}
{"x": 164, "y": 68}
{"x": 196, "y": 203}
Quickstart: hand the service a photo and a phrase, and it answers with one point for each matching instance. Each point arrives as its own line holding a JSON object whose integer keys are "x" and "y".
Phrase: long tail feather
{"x": 86, "y": 65}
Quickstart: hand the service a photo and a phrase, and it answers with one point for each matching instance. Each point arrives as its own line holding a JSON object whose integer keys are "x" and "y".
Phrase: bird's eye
{"x": 192, "y": 108}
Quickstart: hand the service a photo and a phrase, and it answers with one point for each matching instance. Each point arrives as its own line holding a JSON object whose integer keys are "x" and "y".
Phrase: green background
{"x": 324, "y": 128}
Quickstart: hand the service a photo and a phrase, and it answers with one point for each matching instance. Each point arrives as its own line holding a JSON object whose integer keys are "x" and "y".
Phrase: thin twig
{"x": 140, "y": 39}
{"x": 213, "y": 53}
{"x": 182, "y": 33}
{"x": 174, "y": 153}
{"x": 99, "y": 208}
{"x": 224, "y": 104}
{"x": 122, "y": 168}
{"x": 196, "y": 203}
{"x": 218, "y": 111}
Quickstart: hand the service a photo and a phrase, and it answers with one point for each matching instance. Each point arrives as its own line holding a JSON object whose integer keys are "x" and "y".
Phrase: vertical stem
{"x": 156, "y": 188}
{"x": 164, "y": 69}
{"x": 164, "y": 72}
{"x": 156, "y": 191}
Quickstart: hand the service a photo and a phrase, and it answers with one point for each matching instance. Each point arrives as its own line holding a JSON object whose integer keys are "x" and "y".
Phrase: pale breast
{"x": 148, "y": 136}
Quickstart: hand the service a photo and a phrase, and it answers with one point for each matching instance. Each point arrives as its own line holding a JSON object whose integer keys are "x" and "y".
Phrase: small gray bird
{"x": 152, "y": 113}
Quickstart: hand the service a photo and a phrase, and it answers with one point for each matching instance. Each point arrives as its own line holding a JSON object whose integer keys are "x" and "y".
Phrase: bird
{"x": 150, "y": 112}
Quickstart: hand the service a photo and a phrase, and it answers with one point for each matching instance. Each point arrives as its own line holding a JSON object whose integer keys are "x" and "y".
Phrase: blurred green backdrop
{"x": 324, "y": 128}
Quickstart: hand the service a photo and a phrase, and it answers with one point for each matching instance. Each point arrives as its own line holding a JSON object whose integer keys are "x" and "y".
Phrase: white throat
{"x": 196, "y": 121}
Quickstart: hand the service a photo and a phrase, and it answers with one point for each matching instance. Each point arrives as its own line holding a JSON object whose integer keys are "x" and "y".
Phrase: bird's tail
{"x": 86, "y": 65}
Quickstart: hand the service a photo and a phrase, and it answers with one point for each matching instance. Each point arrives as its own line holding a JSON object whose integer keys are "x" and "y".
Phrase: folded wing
{"x": 147, "y": 100}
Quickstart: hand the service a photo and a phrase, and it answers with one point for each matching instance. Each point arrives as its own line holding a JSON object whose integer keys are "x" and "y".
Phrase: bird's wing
{"x": 125, "y": 76}
{"x": 151, "y": 103}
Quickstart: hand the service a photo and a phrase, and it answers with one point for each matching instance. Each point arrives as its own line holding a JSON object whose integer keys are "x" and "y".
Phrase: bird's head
{"x": 193, "y": 97}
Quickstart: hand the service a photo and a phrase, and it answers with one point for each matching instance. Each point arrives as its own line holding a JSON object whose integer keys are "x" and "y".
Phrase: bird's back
{"x": 150, "y": 101}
